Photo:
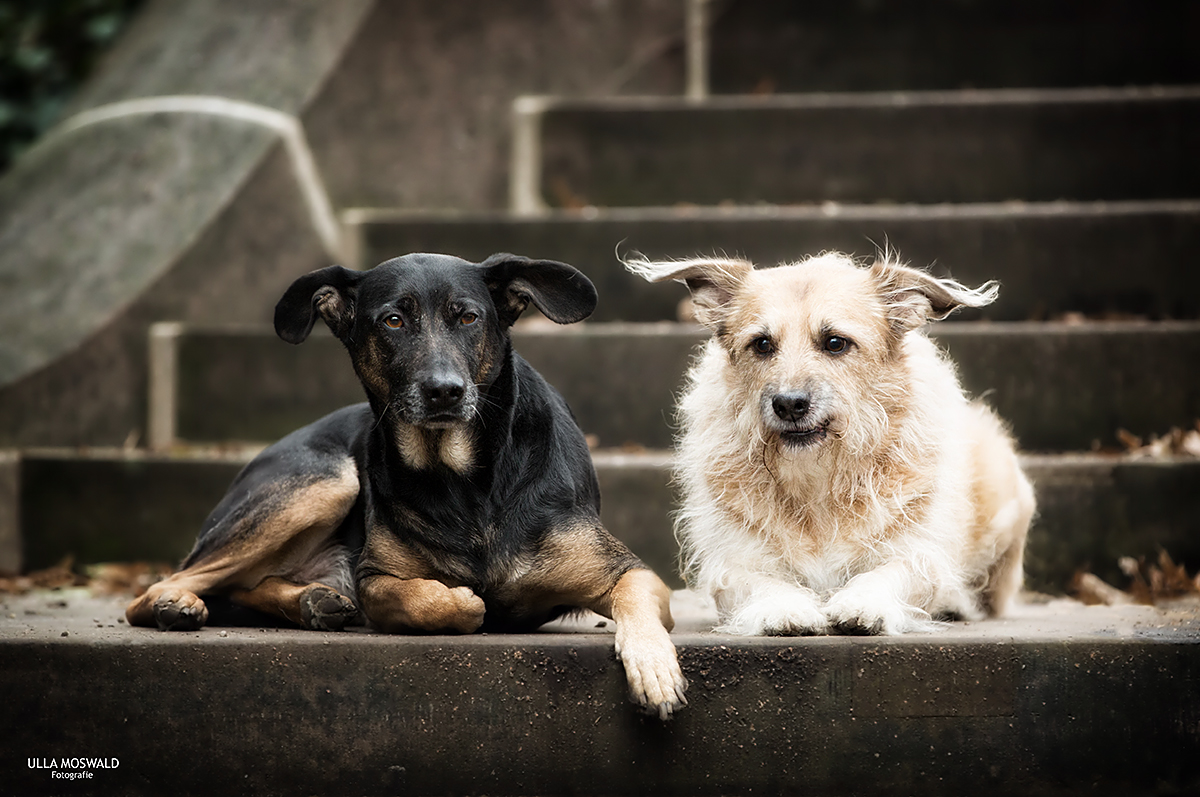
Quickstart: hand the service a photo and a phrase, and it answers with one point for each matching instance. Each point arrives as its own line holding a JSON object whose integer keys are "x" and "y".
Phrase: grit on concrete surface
{"x": 1059, "y": 699}
{"x": 77, "y": 616}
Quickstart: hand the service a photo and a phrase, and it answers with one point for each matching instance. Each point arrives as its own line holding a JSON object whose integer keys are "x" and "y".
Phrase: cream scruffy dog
{"x": 834, "y": 476}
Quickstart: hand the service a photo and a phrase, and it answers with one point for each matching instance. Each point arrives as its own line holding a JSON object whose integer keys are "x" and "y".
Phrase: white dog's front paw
{"x": 854, "y": 611}
{"x": 791, "y": 613}
{"x": 656, "y": 682}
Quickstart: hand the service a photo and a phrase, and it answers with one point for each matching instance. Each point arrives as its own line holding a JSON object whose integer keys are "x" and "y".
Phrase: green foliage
{"x": 47, "y": 47}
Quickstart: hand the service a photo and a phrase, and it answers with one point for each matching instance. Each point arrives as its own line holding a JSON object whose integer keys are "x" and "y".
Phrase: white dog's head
{"x": 815, "y": 347}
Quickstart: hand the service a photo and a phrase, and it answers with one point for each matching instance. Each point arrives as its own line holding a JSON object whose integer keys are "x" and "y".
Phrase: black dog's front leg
{"x": 406, "y": 605}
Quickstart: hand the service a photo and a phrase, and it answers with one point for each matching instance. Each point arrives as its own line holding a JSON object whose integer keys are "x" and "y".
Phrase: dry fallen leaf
{"x": 56, "y": 577}
{"x": 104, "y": 579}
{"x": 1094, "y": 591}
{"x": 1176, "y": 442}
{"x": 1148, "y": 583}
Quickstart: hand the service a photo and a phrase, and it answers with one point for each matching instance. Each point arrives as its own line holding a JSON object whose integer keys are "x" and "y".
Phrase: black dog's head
{"x": 428, "y": 332}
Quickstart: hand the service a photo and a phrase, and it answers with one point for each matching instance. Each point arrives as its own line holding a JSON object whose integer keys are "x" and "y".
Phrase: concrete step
{"x": 782, "y": 46}
{"x": 1061, "y": 386}
{"x": 926, "y": 147}
{"x": 1051, "y": 258}
{"x": 113, "y": 505}
{"x": 1058, "y": 699}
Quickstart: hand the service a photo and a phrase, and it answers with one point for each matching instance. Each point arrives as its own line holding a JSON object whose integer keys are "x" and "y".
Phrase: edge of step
{"x": 1056, "y": 699}
{"x": 1061, "y": 385}
{"x": 105, "y": 505}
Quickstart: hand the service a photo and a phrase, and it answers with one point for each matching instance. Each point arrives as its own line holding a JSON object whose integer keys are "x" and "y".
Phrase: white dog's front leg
{"x": 764, "y": 606}
{"x": 881, "y": 601}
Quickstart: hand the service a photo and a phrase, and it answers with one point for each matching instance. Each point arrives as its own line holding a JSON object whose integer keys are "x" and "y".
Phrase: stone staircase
{"x": 950, "y": 133}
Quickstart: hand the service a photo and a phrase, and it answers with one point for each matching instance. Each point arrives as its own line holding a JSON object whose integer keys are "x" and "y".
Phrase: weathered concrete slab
{"x": 10, "y": 512}
{"x": 120, "y": 506}
{"x": 150, "y": 216}
{"x": 780, "y": 46}
{"x": 1059, "y": 700}
{"x": 1061, "y": 386}
{"x": 209, "y": 234}
{"x": 138, "y": 216}
{"x": 985, "y": 146}
{"x": 1052, "y": 258}
{"x": 418, "y": 113}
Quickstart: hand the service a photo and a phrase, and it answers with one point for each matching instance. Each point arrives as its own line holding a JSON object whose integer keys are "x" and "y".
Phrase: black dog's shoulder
{"x": 543, "y": 420}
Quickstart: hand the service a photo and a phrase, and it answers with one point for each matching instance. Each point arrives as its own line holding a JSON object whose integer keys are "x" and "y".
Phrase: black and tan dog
{"x": 460, "y": 497}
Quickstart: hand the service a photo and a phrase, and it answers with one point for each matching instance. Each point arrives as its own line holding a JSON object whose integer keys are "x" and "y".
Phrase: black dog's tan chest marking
{"x": 423, "y": 449}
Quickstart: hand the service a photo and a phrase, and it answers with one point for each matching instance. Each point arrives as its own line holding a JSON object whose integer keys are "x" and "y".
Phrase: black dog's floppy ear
{"x": 327, "y": 291}
{"x": 561, "y": 292}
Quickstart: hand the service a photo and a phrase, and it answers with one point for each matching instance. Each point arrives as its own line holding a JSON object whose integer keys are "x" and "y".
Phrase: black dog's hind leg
{"x": 272, "y": 530}
{"x": 314, "y": 606}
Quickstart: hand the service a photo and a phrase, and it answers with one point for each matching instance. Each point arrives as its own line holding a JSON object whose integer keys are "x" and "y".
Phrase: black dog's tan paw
{"x": 325, "y": 609}
{"x": 180, "y": 611}
{"x": 467, "y": 611}
{"x": 656, "y": 682}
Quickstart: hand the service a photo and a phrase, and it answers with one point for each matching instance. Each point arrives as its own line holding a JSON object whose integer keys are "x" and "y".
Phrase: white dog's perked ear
{"x": 713, "y": 282}
{"x": 913, "y": 297}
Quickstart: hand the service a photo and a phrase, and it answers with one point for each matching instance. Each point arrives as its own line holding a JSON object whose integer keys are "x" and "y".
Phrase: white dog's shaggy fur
{"x": 834, "y": 476}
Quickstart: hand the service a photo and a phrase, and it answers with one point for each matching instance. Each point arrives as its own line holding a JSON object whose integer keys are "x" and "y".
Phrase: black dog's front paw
{"x": 325, "y": 609}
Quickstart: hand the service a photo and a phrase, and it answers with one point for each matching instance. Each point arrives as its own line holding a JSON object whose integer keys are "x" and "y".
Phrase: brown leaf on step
{"x": 1094, "y": 591}
{"x": 1151, "y": 583}
{"x": 117, "y": 578}
{"x": 564, "y": 196}
{"x": 1175, "y": 443}
{"x": 56, "y": 577}
{"x": 765, "y": 85}
{"x": 1175, "y": 580}
{"x": 1190, "y": 444}
{"x": 1073, "y": 318}
{"x": 1128, "y": 439}
{"x": 104, "y": 579}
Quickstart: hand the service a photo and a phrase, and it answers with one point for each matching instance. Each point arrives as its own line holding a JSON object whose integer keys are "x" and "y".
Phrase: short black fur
{"x": 470, "y": 466}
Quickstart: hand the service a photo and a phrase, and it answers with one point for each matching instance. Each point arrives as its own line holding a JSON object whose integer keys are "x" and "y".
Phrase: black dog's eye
{"x": 835, "y": 344}
{"x": 466, "y": 319}
{"x": 393, "y": 321}
{"x": 762, "y": 345}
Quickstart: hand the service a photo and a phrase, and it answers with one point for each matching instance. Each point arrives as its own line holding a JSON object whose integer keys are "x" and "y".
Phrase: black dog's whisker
{"x": 382, "y": 413}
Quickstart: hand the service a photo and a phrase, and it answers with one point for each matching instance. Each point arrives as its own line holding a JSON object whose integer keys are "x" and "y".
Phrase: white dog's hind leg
{"x": 764, "y": 606}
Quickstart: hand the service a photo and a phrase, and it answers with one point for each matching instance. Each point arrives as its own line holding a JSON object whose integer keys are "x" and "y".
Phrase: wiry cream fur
{"x": 911, "y": 506}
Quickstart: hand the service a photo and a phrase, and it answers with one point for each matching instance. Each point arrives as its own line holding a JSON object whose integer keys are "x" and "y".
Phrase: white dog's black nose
{"x": 791, "y": 407}
{"x": 442, "y": 393}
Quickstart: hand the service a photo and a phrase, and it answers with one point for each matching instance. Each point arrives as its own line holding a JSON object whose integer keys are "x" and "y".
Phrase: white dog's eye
{"x": 835, "y": 344}
{"x": 762, "y": 345}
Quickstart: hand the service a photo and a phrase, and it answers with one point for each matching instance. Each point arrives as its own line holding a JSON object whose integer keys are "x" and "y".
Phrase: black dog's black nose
{"x": 791, "y": 407}
{"x": 442, "y": 393}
